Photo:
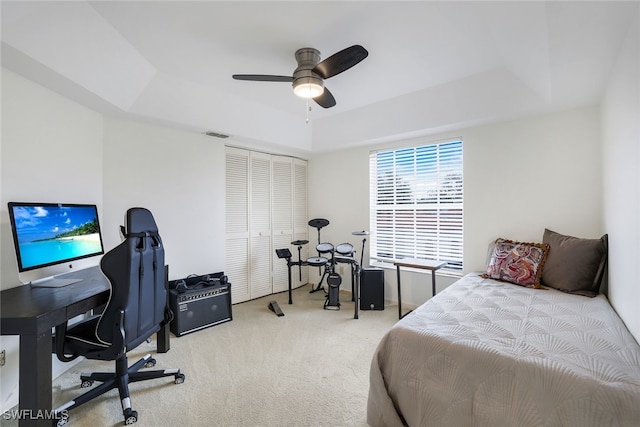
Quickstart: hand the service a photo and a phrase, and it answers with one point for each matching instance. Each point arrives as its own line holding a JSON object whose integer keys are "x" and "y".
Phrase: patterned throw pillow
{"x": 517, "y": 262}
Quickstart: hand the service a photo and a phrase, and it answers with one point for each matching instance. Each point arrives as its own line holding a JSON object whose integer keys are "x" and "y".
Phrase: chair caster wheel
{"x": 150, "y": 363}
{"x": 60, "y": 421}
{"x": 86, "y": 384}
{"x": 179, "y": 379}
{"x": 131, "y": 417}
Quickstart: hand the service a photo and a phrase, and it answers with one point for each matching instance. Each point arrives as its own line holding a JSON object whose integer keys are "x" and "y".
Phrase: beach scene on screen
{"x": 48, "y": 234}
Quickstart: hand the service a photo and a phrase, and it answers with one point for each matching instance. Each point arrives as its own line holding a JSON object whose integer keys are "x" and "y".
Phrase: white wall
{"x": 621, "y": 154}
{"x": 51, "y": 151}
{"x": 177, "y": 175}
{"x": 520, "y": 177}
{"x": 55, "y": 150}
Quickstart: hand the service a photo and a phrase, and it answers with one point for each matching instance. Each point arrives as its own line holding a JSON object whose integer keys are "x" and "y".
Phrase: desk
{"x": 423, "y": 264}
{"x": 31, "y": 313}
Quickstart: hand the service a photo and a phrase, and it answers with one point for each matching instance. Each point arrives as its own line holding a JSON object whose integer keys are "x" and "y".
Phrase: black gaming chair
{"x": 136, "y": 310}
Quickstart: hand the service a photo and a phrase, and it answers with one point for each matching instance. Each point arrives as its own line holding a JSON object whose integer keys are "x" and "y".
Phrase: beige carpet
{"x": 308, "y": 368}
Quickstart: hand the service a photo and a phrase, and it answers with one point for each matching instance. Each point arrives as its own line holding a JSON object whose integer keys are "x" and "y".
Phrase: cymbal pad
{"x": 318, "y": 223}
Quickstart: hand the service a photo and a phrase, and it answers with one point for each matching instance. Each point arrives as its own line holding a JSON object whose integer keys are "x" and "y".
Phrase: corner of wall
{"x": 621, "y": 179}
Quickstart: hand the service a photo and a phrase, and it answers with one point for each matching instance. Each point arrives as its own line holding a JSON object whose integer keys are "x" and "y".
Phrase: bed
{"x": 486, "y": 352}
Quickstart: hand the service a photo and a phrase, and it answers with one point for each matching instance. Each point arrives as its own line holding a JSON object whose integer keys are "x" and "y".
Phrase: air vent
{"x": 217, "y": 135}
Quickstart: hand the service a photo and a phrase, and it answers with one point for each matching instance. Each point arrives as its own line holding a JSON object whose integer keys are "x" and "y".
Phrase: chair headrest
{"x": 140, "y": 220}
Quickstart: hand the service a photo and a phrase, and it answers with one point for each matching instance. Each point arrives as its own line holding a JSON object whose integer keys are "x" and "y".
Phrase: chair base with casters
{"x": 82, "y": 335}
{"x": 120, "y": 379}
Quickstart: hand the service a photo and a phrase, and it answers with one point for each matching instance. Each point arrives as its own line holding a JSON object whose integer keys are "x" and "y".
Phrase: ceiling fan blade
{"x": 341, "y": 61}
{"x": 326, "y": 100}
{"x": 263, "y": 78}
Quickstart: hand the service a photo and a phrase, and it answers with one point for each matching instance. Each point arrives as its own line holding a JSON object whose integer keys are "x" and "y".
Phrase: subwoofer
{"x": 372, "y": 289}
{"x": 199, "y": 308}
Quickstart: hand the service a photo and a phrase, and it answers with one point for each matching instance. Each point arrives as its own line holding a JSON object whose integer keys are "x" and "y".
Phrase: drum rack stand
{"x": 286, "y": 254}
{"x": 333, "y": 278}
{"x": 328, "y": 271}
{"x": 319, "y": 223}
{"x": 299, "y": 263}
{"x": 355, "y": 275}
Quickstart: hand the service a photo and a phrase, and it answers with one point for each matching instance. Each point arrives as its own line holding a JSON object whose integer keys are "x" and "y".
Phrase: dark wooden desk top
{"x": 28, "y": 310}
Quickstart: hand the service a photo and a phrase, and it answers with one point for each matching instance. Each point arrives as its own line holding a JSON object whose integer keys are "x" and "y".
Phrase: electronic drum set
{"x": 328, "y": 259}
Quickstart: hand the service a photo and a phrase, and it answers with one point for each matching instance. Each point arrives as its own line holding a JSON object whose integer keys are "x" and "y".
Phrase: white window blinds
{"x": 416, "y": 204}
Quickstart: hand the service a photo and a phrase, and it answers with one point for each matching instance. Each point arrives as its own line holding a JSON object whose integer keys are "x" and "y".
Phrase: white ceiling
{"x": 432, "y": 65}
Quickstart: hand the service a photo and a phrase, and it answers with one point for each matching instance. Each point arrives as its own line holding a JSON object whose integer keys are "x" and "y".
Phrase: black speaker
{"x": 199, "y": 308}
{"x": 372, "y": 289}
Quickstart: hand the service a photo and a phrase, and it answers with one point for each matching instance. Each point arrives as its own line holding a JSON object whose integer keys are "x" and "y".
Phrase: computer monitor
{"x": 51, "y": 239}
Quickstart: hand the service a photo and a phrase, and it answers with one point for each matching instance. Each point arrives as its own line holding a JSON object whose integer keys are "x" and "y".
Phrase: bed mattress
{"x": 489, "y": 353}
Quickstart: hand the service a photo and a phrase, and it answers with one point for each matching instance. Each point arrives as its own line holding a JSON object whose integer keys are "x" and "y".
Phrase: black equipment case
{"x": 198, "y": 302}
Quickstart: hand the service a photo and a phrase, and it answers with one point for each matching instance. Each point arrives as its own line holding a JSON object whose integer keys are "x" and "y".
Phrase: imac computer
{"x": 52, "y": 239}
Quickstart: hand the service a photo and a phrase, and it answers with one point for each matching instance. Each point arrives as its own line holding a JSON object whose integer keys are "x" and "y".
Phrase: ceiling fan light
{"x": 308, "y": 87}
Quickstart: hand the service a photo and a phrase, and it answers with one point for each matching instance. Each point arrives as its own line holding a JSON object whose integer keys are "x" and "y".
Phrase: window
{"x": 416, "y": 204}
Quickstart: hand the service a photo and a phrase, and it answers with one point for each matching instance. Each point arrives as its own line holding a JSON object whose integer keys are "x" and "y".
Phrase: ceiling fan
{"x": 308, "y": 78}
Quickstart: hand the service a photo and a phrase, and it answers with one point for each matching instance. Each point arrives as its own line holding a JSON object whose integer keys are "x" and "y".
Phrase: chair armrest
{"x": 58, "y": 343}
{"x": 117, "y": 347}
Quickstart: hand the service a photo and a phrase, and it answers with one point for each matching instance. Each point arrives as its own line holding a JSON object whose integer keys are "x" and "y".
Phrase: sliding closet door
{"x": 260, "y": 226}
{"x": 248, "y": 224}
{"x": 237, "y": 223}
{"x": 290, "y": 219}
{"x": 300, "y": 219}
{"x": 282, "y": 217}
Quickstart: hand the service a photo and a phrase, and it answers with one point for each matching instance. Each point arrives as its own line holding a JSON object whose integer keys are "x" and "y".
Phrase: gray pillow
{"x": 574, "y": 265}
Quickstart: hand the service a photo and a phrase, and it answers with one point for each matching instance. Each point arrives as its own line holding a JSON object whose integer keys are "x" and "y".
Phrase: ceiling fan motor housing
{"x": 307, "y": 59}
